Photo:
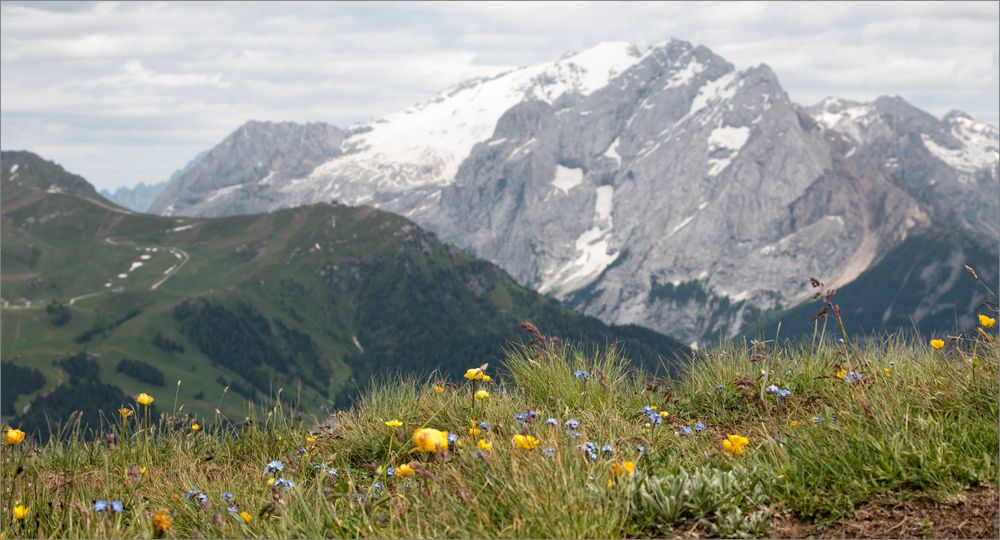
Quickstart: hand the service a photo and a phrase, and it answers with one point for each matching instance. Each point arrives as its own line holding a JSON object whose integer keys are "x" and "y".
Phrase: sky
{"x": 128, "y": 92}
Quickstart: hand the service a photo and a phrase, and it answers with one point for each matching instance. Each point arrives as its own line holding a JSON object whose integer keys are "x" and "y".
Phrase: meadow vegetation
{"x": 556, "y": 442}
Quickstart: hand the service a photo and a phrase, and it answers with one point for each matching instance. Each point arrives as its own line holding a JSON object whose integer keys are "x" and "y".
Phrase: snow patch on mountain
{"x": 567, "y": 179}
{"x": 724, "y": 143}
{"x": 979, "y": 146}
{"x": 593, "y": 251}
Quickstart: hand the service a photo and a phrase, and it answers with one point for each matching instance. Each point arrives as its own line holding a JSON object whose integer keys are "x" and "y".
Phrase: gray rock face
{"x": 672, "y": 191}
{"x": 137, "y": 198}
{"x": 233, "y": 177}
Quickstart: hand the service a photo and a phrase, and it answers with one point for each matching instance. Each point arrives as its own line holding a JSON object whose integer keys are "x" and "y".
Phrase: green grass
{"x": 928, "y": 427}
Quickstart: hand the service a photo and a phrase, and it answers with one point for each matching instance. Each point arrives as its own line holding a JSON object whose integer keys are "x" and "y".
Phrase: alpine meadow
{"x": 595, "y": 282}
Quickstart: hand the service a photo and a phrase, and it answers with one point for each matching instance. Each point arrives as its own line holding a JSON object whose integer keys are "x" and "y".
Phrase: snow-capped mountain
{"x": 663, "y": 188}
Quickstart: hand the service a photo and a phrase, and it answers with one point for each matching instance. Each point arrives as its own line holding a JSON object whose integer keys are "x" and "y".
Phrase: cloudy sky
{"x": 129, "y": 92}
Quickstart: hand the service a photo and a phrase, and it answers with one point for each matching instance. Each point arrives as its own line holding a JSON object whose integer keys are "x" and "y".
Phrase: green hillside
{"x": 313, "y": 301}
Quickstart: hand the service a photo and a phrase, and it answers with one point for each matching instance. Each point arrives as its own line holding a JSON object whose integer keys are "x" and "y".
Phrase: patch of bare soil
{"x": 973, "y": 514}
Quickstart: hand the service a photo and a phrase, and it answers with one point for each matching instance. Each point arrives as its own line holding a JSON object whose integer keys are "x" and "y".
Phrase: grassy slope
{"x": 334, "y": 273}
{"x": 929, "y": 426}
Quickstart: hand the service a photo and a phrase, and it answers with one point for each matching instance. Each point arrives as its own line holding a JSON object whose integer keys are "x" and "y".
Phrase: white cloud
{"x": 123, "y": 92}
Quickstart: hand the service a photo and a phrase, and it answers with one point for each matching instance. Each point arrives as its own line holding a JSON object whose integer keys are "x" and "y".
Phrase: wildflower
{"x": 452, "y": 438}
{"x": 816, "y": 419}
{"x": 548, "y": 452}
{"x": 685, "y": 430}
{"x": 14, "y": 436}
{"x": 377, "y": 486}
{"x": 303, "y": 451}
{"x": 245, "y": 516}
{"x": 310, "y": 440}
{"x": 552, "y": 421}
{"x": 852, "y": 377}
{"x": 699, "y": 426}
{"x": 526, "y": 442}
{"x": 607, "y": 449}
{"x": 394, "y": 423}
{"x": 784, "y": 393}
{"x": 430, "y": 440}
{"x": 20, "y": 511}
{"x": 404, "y": 470}
{"x": 572, "y": 423}
{"x": 125, "y": 412}
{"x": 588, "y": 447}
{"x": 486, "y": 378}
{"x": 283, "y": 483}
{"x": 100, "y": 505}
{"x": 986, "y": 322}
{"x": 771, "y": 389}
{"x": 581, "y": 374}
{"x": 332, "y": 472}
{"x": 574, "y": 434}
{"x": 887, "y": 370}
{"x": 664, "y": 414}
{"x": 793, "y": 424}
{"x": 474, "y": 374}
{"x": 144, "y": 399}
{"x": 623, "y": 468}
{"x": 475, "y": 432}
{"x": 202, "y": 498}
{"x": 144, "y": 470}
{"x": 390, "y": 472}
{"x": 438, "y": 388}
{"x": 842, "y": 373}
{"x": 482, "y": 394}
{"x": 734, "y": 444}
{"x": 484, "y": 426}
{"x": 484, "y": 445}
{"x": 937, "y": 343}
{"x": 641, "y": 448}
{"x": 227, "y": 497}
{"x": 117, "y": 506}
{"x": 195, "y": 427}
{"x": 648, "y": 410}
{"x": 274, "y": 466}
{"x": 161, "y": 522}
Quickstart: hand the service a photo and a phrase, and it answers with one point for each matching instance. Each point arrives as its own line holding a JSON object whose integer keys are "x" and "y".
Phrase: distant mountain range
{"x": 317, "y": 300}
{"x": 662, "y": 188}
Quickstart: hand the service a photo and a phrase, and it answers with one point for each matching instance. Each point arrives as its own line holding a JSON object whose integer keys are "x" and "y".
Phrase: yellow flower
{"x": 734, "y": 444}
{"x": 526, "y": 442}
{"x": 144, "y": 470}
{"x": 438, "y": 388}
{"x": 20, "y": 511}
{"x": 161, "y": 522}
{"x": 144, "y": 399}
{"x": 394, "y": 423}
{"x": 246, "y": 516}
{"x": 623, "y": 468}
{"x": 474, "y": 374}
{"x": 664, "y": 414}
{"x": 14, "y": 436}
{"x": 430, "y": 440}
{"x": 887, "y": 370}
{"x": 986, "y": 322}
{"x": 842, "y": 373}
{"x": 484, "y": 445}
{"x": 125, "y": 412}
{"x": 937, "y": 343}
{"x": 404, "y": 470}
{"x": 475, "y": 432}
{"x": 311, "y": 440}
{"x": 270, "y": 482}
{"x": 653, "y": 407}
{"x": 487, "y": 378}
{"x": 482, "y": 394}
{"x": 195, "y": 427}
{"x": 793, "y": 424}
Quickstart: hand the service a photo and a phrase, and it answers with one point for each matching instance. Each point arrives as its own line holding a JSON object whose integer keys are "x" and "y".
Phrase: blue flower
{"x": 552, "y": 422}
{"x": 117, "y": 506}
{"x": 521, "y": 416}
{"x": 233, "y": 509}
{"x": 574, "y": 434}
{"x": 227, "y": 497}
{"x": 590, "y": 448}
{"x": 548, "y": 452}
{"x": 647, "y": 410}
{"x": 816, "y": 419}
{"x": 303, "y": 451}
{"x": 572, "y": 423}
{"x": 852, "y": 377}
{"x": 654, "y": 418}
{"x": 100, "y": 505}
{"x": 284, "y": 483}
{"x": 377, "y": 486}
{"x": 641, "y": 448}
{"x": 274, "y": 466}
{"x": 581, "y": 374}
{"x": 452, "y": 437}
{"x": 784, "y": 393}
{"x": 485, "y": 426}
{"x": 390, "y": 472}
{"x": 332, "y": 472}
{"x": 685, "y": 430}
{"x": 771, "y": 389}
{"x": 607, "y": 449}
{"x": 699, "y": 426}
